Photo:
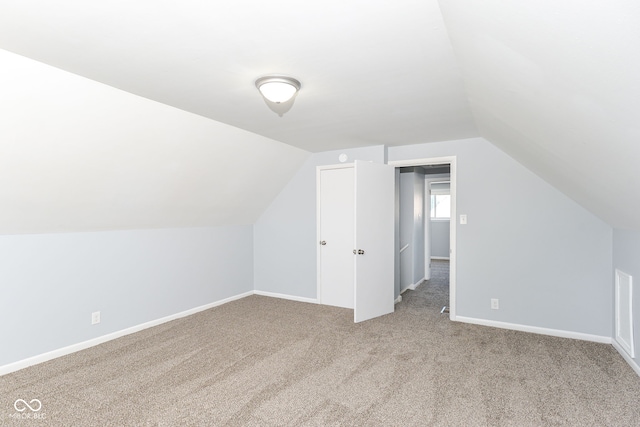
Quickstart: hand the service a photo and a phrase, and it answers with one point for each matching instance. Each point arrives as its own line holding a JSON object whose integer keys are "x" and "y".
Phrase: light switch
{"x": 463, "y": 219}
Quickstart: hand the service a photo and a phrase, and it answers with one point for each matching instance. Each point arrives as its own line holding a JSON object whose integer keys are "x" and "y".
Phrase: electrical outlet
{"x": 95, "y": 317}
{"x": 495, "y": 304}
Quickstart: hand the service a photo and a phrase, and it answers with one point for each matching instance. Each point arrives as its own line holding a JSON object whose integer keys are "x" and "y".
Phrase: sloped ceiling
{"x": 554, "y": 84}
{"x": 373, "y": 71}
{"x": 77, "y": 155}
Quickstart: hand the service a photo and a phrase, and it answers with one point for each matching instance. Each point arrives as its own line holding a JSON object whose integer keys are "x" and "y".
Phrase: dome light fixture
{"x": 277, "y": 89}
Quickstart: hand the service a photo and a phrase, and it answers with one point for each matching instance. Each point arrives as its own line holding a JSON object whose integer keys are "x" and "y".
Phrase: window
{"x": 440, "y": 206}
{"x": 440, "y": 200}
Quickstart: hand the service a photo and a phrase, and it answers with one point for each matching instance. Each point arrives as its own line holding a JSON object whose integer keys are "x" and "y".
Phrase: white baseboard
{"x": 399, "y": 299}
{"x": 535, "y": 330}
{"x": 413, "y": 286}
{"x": 285, "y": 296}
{"x": 34, "y": 360}
{"x": 418, "y": 283}
{"x": 626, "y": 357}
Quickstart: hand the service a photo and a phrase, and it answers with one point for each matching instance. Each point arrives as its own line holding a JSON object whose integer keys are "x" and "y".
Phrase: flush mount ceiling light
{"x": 277, "y": 89}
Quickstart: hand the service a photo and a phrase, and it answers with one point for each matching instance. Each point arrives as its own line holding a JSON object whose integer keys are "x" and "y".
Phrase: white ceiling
{"x": 553, "y": 83}
{"x": 372, "y": 72}
{"x": 77, "y": 155}
{"x": 556, "y": 84}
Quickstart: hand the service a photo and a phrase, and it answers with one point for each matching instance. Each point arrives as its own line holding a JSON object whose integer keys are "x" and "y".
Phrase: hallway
{"x": 432, "y": 294}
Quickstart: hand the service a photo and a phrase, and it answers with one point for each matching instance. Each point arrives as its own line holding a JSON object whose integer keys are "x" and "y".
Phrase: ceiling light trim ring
{"x": 269, "y": 81}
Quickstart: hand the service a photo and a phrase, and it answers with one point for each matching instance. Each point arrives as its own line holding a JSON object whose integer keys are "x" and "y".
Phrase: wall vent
{"x": 624, "y": 312}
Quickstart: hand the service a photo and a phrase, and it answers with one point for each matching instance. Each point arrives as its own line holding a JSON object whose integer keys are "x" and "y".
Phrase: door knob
{"x": 360, "y": 252}
{"x": 322, "y": 242}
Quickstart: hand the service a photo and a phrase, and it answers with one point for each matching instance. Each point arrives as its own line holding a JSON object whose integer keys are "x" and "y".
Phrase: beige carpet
{"x": 266, "y": 362}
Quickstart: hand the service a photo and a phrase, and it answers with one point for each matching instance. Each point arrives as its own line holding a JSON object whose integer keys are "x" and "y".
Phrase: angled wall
{"x": 77, "y": 155}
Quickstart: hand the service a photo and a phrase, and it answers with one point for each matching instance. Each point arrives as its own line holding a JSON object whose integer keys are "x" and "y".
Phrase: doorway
{"x": 429, "y": 164}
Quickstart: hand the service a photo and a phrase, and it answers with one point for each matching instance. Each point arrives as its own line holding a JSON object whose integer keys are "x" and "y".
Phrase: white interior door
{"x": 374, "y": 239}
{"x": 337, "y": 203}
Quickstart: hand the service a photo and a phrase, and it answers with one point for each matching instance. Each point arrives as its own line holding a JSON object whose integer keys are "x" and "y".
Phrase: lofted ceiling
{"x": 556, "y": 84}
{"x": 372, "y": 72}
{"x": 553, "y": 83}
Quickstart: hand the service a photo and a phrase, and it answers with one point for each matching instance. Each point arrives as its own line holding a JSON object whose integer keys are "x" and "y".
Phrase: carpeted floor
{"x": 261, "y": 361}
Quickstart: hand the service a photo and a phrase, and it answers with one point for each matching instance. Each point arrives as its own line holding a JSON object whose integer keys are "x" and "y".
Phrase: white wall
{"x": 51, "y": 283}
{"x": 285, "y": 238}
{"x": 546, "y": 258}
{"x": 626, "y": 257}
{"x": 440, "y": 238}
{"x": 78, "y": 156}
{"x": 412, "y": 233}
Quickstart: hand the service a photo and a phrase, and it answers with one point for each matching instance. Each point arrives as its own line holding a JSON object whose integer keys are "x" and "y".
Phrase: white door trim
{"x": 451, "y": 160}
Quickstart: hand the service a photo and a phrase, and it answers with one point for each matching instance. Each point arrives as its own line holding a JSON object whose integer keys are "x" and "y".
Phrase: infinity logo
{"x": 22, "y": 405}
